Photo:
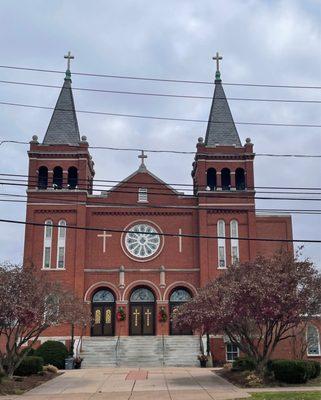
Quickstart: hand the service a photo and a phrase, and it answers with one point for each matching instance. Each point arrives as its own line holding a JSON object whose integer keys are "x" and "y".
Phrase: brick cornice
{"x": 141, "y": 213}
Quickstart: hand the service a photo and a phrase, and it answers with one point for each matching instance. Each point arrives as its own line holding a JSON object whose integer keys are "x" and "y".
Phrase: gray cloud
{"x": 261, "y": 41}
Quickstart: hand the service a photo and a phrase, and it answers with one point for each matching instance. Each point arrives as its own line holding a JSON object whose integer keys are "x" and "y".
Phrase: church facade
{"x": 138, "y": 250}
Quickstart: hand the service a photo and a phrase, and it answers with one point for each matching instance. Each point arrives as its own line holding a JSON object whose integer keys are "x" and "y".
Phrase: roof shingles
{"x": 63, "y": 126}
{"x": 221, "y": 128}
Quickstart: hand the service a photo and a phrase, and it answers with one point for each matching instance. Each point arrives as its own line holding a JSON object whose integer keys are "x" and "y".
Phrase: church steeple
{"x": 221, "y": 129}
{"x": 63, "y": 126}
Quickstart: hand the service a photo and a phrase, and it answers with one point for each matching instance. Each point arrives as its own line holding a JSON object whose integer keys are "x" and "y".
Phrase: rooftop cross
{"x": 69, "y": 57}
{"x": 217, "y": 58}
{"x": 142, "y": 157}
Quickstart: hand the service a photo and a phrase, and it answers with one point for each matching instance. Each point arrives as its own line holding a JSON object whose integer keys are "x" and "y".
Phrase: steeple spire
{"x": 63, "y": 126}
{"x": 221, "y": 129}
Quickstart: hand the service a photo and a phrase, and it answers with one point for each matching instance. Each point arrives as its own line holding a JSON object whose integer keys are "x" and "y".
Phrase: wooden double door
{"x": 103, "y": 319}
{"x": 142, "y": 319}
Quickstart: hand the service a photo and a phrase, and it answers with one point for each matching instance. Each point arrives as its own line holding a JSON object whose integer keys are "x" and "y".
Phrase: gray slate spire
{"x": 221, "y": 129}
{"x": 63, "y": 126}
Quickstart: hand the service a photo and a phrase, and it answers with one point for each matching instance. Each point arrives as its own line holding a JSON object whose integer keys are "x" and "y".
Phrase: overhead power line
{"x": 35, "y": 177}
{"x": 178, "y": 151}
{"x": 159, "y": 118}
{"x": 91, "y": 202}
{"x": 219, "y": 194}
{"x": 152, "y": 79}
{"x": 168, "y": 95}
{"x": 166, "y": 234}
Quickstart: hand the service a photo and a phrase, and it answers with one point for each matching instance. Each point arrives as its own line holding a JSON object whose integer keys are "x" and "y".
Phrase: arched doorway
{"x": 103, "y": 312}
{"x": 178, "y": 297}
{"x": 142, "y": 312}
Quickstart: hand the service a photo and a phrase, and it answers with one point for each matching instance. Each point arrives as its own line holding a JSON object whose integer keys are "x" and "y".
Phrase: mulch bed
{"x": 21, "y": 384}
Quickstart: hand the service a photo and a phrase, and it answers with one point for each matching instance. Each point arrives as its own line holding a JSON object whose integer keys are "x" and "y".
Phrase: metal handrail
{"x": 163, "y": 348}
{"x": 116, "y": 350}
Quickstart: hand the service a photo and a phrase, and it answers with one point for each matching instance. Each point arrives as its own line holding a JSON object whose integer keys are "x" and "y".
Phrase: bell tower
{"x": 223, "y": 182}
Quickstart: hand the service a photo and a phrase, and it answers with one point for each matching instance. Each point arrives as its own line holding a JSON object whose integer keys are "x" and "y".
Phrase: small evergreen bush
{"x": 31, "y": 352}
{"x": 53, "y": 353}
{"x": 291, "y": 371}
{"x": 243, "y": 364}
{"x": 313, "y": 369}
{"x": 29, "y": 365}
{"x": 2, "y": 375}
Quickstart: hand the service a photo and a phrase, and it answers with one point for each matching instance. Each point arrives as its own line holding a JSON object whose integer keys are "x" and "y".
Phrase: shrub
{"x": 53, "y": 353}
{"x": 50, "y": 368}
{"x": 290, "y": 371}
{"x": 313, "y": 369}
{"x": 2, "y": 375}
{"x": 31, "y": 351}
{"x": 243, "y": 364}
{"x": 29, "y": 365}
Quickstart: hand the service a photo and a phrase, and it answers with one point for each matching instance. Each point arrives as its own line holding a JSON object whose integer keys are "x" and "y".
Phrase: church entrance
{"x": 142, "y": 312}
{"x": 103, "y": 312}
{"x": 178, "y": 297}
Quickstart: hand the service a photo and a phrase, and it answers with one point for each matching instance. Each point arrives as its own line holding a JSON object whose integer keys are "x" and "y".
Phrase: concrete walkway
{"x": 136, "y": 384}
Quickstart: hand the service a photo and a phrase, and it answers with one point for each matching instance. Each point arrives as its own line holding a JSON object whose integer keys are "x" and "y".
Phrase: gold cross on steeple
{"x": 69, "y": 57}
{"x": 217, "y": 58}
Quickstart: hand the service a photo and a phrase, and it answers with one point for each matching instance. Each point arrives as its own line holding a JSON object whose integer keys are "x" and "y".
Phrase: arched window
{"x": 313, "y": 341}
{"x": 240, "y": 179}
{"x": 103, "y": 296}
{"x": 61, "y": 244}
{"x": 211, "y": 178}
{"x": 142, "y": 295}
{"x": 226, "y": 179}
{"x": 180, "y": 296}
{"x": 47, "y": 244}
{"x": 234, "y": 234}
{"x": 42, "y": 178}
{"x": 57, "y": 178}
{"x": 72, "y": 177}
{"x": 221, "y": 244}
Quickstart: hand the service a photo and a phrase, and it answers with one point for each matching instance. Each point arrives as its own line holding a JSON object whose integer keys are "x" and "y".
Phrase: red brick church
{"x": 144, "y": 254}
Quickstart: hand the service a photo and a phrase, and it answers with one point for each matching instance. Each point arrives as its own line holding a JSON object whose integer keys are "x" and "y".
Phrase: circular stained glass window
{"x": 142, "y": 240}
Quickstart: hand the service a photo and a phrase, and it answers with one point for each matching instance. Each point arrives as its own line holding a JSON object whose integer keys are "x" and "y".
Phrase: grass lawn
{"x": 287, "y": 396}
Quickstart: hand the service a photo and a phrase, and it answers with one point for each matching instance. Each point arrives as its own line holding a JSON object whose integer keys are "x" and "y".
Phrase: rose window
{"x": 142, "y": 240}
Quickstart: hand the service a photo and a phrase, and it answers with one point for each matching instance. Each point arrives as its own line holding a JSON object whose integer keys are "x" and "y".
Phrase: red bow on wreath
{"x": 121, "y": 315}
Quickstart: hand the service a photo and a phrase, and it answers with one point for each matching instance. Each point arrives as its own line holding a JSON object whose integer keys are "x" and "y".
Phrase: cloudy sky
{"x": 273, "y": 42}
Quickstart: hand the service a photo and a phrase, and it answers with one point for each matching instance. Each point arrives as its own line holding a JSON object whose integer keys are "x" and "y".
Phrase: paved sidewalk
{"x": 136, "y": 384}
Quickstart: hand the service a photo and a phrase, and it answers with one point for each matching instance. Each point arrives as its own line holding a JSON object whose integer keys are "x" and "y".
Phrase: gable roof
{"x": 144, "y": 170}
{"x": 63, "y": 125}
{"x": 221, "y": 129}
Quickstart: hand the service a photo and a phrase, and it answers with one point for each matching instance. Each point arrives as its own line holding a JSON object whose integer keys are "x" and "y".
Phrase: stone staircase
{"x": 99, "y": 352}
{"x": 140, "y": 351}
{"x": 181, "y": 351}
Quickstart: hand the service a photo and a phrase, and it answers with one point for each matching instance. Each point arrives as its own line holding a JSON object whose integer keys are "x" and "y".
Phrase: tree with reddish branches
{"x": 29, "y": 304}
{"x": 256, "y": 304}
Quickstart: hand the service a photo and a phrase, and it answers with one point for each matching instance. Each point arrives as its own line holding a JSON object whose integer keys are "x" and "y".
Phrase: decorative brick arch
{"x": 102, "y": 284}
{"x": 149, "y": 284}
{"x": 179, "y": 284}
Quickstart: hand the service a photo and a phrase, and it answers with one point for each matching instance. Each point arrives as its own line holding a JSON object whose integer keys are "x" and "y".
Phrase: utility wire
{"x": 34, "y": 178}
{"x": 91, "y": 202}
{"x": 154, "y": 117}
{"x": 144, "y": 78}
{"x": 169, "y": 95}
{"x": 219, "y": 194}
{"x": 186, "y": 235}
{"x": 180, "y": 152}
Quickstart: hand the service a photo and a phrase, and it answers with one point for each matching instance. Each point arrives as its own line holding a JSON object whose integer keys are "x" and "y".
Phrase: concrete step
{"x": 136, "y": 351}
